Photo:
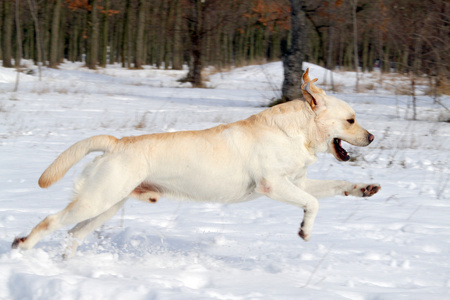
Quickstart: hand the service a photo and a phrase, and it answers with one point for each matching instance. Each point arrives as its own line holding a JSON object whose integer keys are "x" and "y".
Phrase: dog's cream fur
{"x": 266, "y": 154}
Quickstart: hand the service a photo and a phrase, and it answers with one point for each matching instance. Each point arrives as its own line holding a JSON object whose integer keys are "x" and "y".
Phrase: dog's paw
{"x": 370, "y": 190}
{"x": 363, "y": 190}
{"x": 17, "y": 242}
{"x": 305, "y": 236}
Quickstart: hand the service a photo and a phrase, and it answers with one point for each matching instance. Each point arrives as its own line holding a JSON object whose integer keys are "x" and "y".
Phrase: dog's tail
{"x": 74, "y": 154}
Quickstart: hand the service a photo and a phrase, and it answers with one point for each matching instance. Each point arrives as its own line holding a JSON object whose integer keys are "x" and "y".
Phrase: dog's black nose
{"x": 370, "y": 137}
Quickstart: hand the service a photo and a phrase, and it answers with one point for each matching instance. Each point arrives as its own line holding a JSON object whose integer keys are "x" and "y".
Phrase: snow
{"x": 395, "y": 245}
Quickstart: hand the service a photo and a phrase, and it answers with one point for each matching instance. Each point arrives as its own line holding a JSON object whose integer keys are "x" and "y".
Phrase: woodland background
{"x": 410, "y": 36}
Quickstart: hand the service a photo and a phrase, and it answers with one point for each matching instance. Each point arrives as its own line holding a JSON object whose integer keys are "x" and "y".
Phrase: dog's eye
{"x": 351, "y": 121}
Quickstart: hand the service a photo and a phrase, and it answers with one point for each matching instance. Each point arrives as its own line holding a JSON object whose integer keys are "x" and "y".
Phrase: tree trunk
{"x": 251, "y": 44}
{"x": 33, "y": 10}
{"x": 177, "y": 61}
{"x": 19, "y": 50}
{"x": 330, "y": 64}
{"x": 140, "y": 34}
{"x": 19, "y": 45}
{"x": 348, "y": 57}
{"x": 93, "y": 38}
{"x": 62, "y": 38}
{"x": 371, "y": 57}
{"x": 196, "y": 74}
{"x": 365, "y": 54}
{"x": 104, "y": 52}
{"x": 28, "y": 46}
{"x": 293, "y": 59}
{"x": 168, "y": 41}
{"x": 341, "y": 58}
{"x": 239, "y": 56}
{"x": 413, "y": 94}
{"x": 230, "y": 48}
{"x": 74, "y": 39}
{"x": 355, "y": 44}
{"x": 126, "y": 36}
{"x": 386, "y": 62}
{"x": 55, "y": 34}
{"x": 404, "y": 60}
{"x": 116, "y": 34}
{"x": 153, "y": 35}
{"x": 46, "y": 26}
{"x": 161, "y": 36}
{"x": 7, "y": 34}
{"x": 195, "y": 25}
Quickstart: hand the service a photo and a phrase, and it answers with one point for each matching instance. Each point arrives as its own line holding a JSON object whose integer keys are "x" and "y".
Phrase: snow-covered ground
{"x": 395, "y": 245}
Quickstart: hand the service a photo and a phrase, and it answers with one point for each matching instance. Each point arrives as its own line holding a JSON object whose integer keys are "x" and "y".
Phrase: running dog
{"x": 267, "y": 154}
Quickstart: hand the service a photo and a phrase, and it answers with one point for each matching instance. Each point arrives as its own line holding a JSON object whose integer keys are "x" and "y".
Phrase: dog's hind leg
{"x": 77, "y": 211}
{"x": 103, "y": 185}
{"x": 92, "y": 200}
{"x": 82, "y": 229}
{"x": 284, "y": 190}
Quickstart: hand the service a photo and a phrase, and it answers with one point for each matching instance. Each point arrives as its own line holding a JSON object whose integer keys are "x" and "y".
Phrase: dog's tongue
{"x": 343, "y": 155}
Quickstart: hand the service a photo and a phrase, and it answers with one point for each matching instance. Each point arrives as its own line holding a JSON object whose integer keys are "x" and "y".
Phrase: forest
{"x": 408, "y": 36}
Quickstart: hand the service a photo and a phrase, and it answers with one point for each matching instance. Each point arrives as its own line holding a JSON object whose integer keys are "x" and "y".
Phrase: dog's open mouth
{"x": 341, "y": 154}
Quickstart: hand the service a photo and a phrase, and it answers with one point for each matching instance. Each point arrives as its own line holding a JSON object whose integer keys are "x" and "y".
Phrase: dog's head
{"x": 335, "y": 120}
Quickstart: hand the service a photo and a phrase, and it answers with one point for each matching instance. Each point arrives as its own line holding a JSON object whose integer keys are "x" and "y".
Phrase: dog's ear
{"x": 305, "y": 77}
{"x": 313, "y": 95}
{"x": 312, "y": 87}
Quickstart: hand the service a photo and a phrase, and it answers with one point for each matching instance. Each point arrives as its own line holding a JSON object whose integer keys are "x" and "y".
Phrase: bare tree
{"x": 104, "y": 38}
{"x": 7, "y": 33}
{"x": 19, "y": 44}
{"x": 39, "y": 47}
{"x": 126, "y": 38}
{"x": 53, "y": 63}
{"x": 204, "y": 19}
{"x": 355, "y": 42}
{"x": 142, "y": 12}
{"x": 294, "y": 57}
{"x": 177, "y": 62}
{"x": 195, "y": 19}
{"x": 92, "y": 58}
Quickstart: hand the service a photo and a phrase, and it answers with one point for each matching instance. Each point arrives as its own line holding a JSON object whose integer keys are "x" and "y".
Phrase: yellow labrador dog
{"x": 266, "y": 154}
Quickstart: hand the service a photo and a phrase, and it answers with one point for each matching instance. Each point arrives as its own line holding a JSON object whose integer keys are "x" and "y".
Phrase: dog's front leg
{"x": 282, "y": 189}
{"x": 328, "y": 188}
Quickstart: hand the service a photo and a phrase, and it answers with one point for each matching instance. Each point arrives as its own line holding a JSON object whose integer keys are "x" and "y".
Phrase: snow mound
{"x": 394, "y": 245}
